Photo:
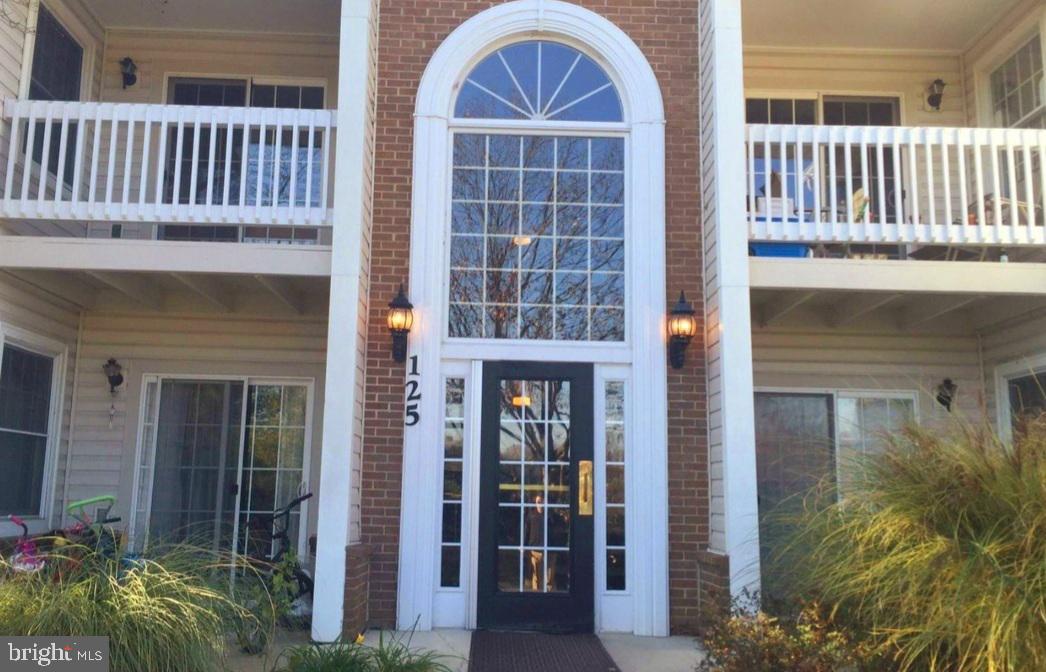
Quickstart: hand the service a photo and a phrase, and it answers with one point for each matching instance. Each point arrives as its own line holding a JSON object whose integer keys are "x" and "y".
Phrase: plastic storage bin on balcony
{"x": 789, "y": 250}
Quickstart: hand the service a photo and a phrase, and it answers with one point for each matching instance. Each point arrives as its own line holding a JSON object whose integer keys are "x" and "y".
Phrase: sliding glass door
{"x": 216, "y": 457}
{"x": 196, "y": 453}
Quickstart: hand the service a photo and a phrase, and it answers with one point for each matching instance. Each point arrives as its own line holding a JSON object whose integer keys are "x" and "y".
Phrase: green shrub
{"x": 938, "y": 551}
{"x": 757, "y": 642}
{"x": 169, "y": 613}
{"x": 393, "y": 654}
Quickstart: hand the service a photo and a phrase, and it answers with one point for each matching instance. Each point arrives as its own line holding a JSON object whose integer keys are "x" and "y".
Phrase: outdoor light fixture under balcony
{"x": 114, "y": 373}
{"x": 934, "y": 94}
{"x": 682, "y": 327}
{"x": 400, "y": 320}
{"x": 129, "y": 70}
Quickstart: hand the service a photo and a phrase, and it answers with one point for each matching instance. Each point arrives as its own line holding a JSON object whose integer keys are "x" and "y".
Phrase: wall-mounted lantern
{"x": 945, "y": 393}
{"x": 934, "y": 94}
{"x": 129, "y": 70}
{"x": 400, "y": 319}
{"x": 682, "y": 327}
{"x": 114, "y": 373}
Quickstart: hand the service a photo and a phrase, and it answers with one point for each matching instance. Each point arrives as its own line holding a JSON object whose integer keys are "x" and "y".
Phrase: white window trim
{"x": 1017, "y": 37}
{"x": 615, "y": 609}
{"x": 819, "y": 96}
{"x": 87, "y": 43}
{"x": 451, "y": 606}
{"x": 851, "y": 393}
{"x": 248, "y": 79}
{"x": 59, "y": 353}
{"x": 80, "y": 33}
{"x": 140, "y": 447}
{"x": 645, "y": 170}
{"x": 1004, "y": 373}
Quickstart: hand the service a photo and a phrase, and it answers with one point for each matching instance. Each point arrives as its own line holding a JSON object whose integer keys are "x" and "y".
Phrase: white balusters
{"x": 121, "y": 162}
{"x": 923, "y": 186}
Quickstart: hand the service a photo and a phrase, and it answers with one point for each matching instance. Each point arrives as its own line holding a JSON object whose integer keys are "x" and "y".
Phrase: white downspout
{"x": 72, "y": 418}
{"x": 28, "y": 47}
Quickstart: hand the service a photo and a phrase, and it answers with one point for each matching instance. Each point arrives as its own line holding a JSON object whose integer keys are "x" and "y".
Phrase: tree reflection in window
{"x": 537, "y": 247}
{"x": 539, "y": 81}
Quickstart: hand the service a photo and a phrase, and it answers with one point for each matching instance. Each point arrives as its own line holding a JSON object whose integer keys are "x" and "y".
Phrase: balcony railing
{"x": 922, "y": 186}
{"x": 172, "y": 164}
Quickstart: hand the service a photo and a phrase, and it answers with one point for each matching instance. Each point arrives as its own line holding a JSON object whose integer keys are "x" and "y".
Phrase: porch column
{"x": 731, "y": 422}
{"x": 344, "y": 351}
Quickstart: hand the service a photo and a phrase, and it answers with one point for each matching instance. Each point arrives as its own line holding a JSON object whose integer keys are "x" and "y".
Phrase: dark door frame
{"x": 572, "y": 611}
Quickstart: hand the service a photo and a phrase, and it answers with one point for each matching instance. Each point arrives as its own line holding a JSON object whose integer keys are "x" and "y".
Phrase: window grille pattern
{"x": 539, "y": 81}
{"x": 537, "y": 245}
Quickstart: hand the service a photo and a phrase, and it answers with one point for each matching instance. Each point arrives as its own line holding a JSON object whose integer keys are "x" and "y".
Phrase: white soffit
{"x": 316, "y": 17}
{"x": 930, "y": 25}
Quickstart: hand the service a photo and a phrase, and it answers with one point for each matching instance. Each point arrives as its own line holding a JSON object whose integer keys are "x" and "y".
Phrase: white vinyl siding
{"x": 40, "y": 314}
{"x": 181, "y": 344}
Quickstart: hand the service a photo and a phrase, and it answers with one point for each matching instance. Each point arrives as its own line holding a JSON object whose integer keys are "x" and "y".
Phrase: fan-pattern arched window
{"x": 537, "y": 231}
{"x": 538, "y": 81}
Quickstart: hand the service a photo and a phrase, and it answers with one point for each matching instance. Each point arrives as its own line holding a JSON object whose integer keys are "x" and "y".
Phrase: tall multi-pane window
{"x": 615, "y": 484}
{"x": 1017, "y": 88}
{"x": 537, "y": 231}
{"x": 273, "y": 462}
{"x": 537, "y": 238}
{"x": 258, "y": 174}
{"x": 863, "y": 423}
{"x": 25, "y": 423}
{"x": 453, "y": 452}
{"x": 55, "y": 75}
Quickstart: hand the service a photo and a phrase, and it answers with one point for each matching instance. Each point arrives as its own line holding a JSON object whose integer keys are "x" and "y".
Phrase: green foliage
{"x": 757, "y": 642}
{"x": 339, "y": 657}
{"x": 169, "y": 613}
{"x": 938, "y": 550}
{"x": 393, "y": 654}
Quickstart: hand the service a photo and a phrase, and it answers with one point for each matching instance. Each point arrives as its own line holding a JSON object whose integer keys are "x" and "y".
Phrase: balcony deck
{"x": 935, "y": 186}
{"x": 148, "y": 166}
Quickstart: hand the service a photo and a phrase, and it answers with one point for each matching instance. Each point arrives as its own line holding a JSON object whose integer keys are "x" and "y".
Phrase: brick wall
{"x": 411, "y": 30}
{"x": 714, "y": 576}
{"x": 357, "y": 588}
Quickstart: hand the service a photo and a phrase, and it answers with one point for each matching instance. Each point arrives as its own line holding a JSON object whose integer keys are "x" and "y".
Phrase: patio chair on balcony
{"x": 1027, "y": 213}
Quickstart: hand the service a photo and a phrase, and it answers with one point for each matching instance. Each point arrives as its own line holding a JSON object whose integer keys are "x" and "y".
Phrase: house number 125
{"x": 413, "y": 386}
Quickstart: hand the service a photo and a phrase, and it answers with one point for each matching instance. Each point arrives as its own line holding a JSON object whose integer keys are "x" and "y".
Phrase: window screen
{"x": 25, "y": 412}
{"x": 780, "y": 111}
{"x": 57, "y": 61}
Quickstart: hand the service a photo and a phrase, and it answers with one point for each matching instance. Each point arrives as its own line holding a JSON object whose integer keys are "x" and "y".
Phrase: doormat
{"x": 537, "y": 652}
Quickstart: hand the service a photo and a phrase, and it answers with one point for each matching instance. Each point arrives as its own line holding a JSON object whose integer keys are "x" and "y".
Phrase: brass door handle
{"x": 584, "y": 488}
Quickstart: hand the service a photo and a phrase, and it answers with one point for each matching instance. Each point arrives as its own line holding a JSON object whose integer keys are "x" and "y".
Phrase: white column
{"x": 740, "y": 509}
{"x": 420, "y": 508}
{"x": 350, "y": 191}
{"x": 648, "y": 542}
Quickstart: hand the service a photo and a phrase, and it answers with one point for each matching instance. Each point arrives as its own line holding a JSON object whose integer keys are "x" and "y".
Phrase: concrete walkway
{"x": 631, "y": 653}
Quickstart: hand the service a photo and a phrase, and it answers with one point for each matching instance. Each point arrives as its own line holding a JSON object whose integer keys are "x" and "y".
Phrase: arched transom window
{"x": 538, "y": 81}
{"x": 537, "y": 231}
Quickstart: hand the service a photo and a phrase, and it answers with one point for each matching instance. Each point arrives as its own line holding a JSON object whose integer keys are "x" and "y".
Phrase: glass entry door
{"x": 218, "y": 456}
{"x": 196, "y": 481}
{"x": 536, "y": 500}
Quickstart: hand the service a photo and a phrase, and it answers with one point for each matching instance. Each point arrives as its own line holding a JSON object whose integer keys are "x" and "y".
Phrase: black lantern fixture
{"x": 400, "y": 320}
{"x": 682, "y": 327}
{"x": 114, "y": 372}
{"x": 934, "y": 94}
{"x": 946, "y": 393}
{"x": 129, "y": 70}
